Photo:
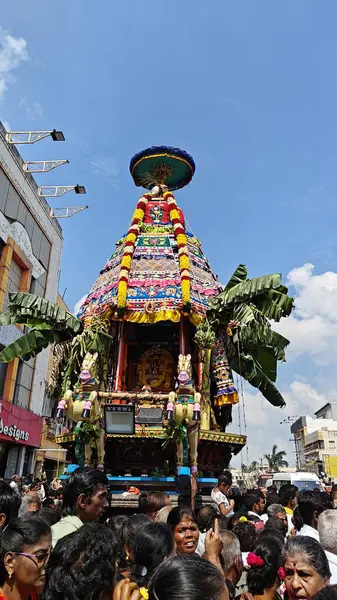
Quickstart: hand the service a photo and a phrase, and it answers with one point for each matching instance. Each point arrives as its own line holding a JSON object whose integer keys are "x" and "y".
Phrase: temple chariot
{"x": 158, "y": 393}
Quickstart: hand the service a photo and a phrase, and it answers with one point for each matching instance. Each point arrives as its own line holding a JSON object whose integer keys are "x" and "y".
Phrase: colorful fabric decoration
{"x": 226, "y": 392}
{"x": 181, "y": 239}
{"x": 148, "y": 278}
{"x": 281, "y": 574}
{"x": 253, "y": 560}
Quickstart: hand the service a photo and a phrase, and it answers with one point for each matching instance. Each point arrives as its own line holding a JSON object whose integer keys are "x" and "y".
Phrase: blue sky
{"x": 250, "y": 90}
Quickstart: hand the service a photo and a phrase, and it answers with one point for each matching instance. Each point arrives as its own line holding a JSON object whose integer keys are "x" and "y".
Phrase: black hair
{"x": 229, "y": 475}
{"x": 205, "y": 517}
{"x": 287, "y": 492}
{"x": 246, "y": 534}
{"x": 252, "y": 497}
{"x": 188, "y": 577}
{"x": 130, "y": 528}
{"x": 261, "y": 578}
{"x": 177, "y": 514}
{"x": 276, "y": 524}
{"x": 309, "y": 503}
{"x": 272, "y": 533}
{"x": 10, "y": 502}
{"x": 327, "y": 593}
{"x": 18, "y": 534}
{"x": 313, "y": 552}
{"x": 152, "y": 502}
{"x": 116, "y": 525}
{"x": 272, "y": 498}
{"x": 82, "y": 481}
{"x": 152, "y": 544}
{"x": 297, "y": 519}
{"x": 50, "y": 515}
{"x": 224, "y": 479}
{"x": 234, "y": 520}
{"x": 82, "y": 565}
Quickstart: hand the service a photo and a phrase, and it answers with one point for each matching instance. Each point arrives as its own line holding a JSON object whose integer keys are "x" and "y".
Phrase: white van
{"x": 302, "y": 480}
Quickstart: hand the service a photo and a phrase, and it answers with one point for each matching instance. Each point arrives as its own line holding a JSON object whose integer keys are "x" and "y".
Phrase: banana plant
{"x": 242, "y": 315}
{"x": 47, "y": 323}
{"x": 50, "y": 324}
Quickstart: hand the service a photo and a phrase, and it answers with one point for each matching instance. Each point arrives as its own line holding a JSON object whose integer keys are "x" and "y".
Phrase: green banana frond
{"x": 251, "y": 370}
{"x": 27, "y": 345}
{"x": 255, "y": 336}
{"x": 239, "y": 275}
{"x": 28, "y": 308}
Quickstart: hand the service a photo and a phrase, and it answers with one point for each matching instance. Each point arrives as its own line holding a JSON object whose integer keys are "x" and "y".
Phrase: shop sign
{"x": 19, "y": 425}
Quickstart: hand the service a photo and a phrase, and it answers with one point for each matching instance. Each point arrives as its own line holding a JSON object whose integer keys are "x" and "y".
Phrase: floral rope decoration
{"x": 181, "y": 239}
{"x": 129, "y": 249}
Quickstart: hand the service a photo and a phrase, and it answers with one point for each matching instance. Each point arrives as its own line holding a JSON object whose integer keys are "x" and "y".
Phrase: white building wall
{"x": 39, "y": 208}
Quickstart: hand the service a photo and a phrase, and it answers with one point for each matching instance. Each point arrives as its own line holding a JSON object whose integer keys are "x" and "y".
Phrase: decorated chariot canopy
{"x": 158, "y": 271}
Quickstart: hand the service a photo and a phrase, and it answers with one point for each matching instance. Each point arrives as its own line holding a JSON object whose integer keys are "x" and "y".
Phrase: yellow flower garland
{"x": 130, "y": 239}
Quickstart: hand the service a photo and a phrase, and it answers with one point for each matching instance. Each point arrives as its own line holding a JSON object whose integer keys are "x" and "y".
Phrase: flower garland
{"x": 181, "y": 239}
{"x": 129, "y": 248}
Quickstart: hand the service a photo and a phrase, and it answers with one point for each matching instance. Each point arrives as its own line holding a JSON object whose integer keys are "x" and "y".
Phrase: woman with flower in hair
{"x": 266, "y": 572}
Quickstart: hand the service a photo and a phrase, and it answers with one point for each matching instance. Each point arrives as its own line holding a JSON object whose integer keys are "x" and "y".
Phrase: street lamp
{"x": 31, "y": 137}
{"x": 54, "y": 191}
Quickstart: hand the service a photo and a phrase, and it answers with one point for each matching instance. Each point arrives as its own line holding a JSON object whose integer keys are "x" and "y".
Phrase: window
{"x": 14, "y": 280}
{"x": 23, "y": 383}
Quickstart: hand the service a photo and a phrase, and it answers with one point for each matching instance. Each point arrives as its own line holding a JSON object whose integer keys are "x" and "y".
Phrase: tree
{"x": 241, "y": 314}
{"x": 276, "y": 460}
{"x": 254, "y": 466}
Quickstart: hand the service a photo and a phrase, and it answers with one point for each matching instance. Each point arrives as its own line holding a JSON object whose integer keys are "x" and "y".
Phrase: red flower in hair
{"x": 254, "y": 561}
{"x": 281, "y": 573}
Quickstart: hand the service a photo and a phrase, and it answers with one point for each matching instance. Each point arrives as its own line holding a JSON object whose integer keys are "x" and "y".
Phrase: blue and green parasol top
{"x": 160, "y": 165}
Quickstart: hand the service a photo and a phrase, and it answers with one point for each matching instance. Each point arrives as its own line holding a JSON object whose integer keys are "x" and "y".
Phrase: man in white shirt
{"x": 219, "y": 495}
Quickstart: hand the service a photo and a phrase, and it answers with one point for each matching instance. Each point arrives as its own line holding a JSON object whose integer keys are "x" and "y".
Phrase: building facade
{"x": 316, "y": 442}
{"x": 30, "y": 255}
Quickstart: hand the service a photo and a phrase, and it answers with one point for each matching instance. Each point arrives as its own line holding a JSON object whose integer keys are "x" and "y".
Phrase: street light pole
{"x": 31, "y": 137}
{"x": 66, "y": 212}
{"x": 55, "y": 191}
{"x": 43, "y": 166}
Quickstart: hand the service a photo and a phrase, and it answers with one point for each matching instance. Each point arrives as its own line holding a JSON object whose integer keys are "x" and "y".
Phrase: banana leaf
{"x": 28, "y": 308}
{"x": 274, "y": 304}
{"x": 248, "y": 289}
{"x": 240, "y": 274}
{"x": 256, "y": 335}
{"x": 251, "y": 371}
{"x": 27, "y": 345}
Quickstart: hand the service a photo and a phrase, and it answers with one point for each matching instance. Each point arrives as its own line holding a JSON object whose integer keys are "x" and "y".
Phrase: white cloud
{"x": 34, "y": 111}
{"x": 106, "y": 167}
{"x": 265, "y": 425}
{"x": 12, "y": 52}
{"x": 79, "y": 304}
{"x": 312, "y": 328}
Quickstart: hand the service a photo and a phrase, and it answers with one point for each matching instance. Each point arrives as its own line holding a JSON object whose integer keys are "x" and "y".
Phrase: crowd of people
{"x": 256, "y": 545}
